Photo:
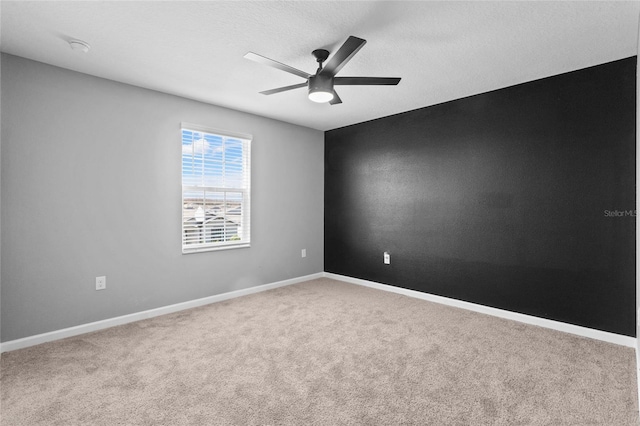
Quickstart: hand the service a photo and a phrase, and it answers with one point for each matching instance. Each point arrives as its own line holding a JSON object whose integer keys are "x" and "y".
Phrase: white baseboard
{"x": 618, "y": 339}
{"x": 111, "y": 322}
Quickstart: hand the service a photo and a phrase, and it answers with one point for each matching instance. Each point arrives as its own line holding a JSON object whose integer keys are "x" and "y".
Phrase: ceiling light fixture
{"x": 320, "y": 88}
{"x": 321, "y": 84}
{"x": 79, "y": 45}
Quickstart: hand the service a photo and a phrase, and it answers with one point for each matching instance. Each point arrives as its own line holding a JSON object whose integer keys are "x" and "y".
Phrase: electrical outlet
{"x": 101, "y": 283}
{"x": 387, "y": 258}
{"x": 303, "y": 253}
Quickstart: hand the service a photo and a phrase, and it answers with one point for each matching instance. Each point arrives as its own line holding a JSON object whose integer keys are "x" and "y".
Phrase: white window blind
{"x": 216, "y": 177}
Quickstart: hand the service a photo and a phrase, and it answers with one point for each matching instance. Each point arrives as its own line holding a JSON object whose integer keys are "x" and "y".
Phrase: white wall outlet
{"x": 101, "y": 283}
{"x": 303, "y": 253}
{"x": 387, "y": 258}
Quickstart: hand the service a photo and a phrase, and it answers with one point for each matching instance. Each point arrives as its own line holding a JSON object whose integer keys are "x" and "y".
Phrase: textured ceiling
{"x": 442, "y": 50}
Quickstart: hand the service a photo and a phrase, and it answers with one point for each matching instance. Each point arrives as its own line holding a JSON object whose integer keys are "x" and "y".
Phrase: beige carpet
{"x": 325, "y": 353}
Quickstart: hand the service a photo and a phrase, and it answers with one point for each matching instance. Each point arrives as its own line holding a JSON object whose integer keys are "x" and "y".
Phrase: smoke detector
{"x": 79, "y": 45}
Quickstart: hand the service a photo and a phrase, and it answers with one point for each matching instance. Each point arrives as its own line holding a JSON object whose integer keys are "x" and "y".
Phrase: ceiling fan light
{"x": 320, "y": 96}
{"x": 320, "y": 88}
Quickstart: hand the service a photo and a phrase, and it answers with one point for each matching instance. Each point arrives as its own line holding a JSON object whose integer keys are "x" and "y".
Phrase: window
{"x": 215, "y": 189}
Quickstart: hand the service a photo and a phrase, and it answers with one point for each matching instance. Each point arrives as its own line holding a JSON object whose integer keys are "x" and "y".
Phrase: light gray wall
{"x": 90, "y": 186}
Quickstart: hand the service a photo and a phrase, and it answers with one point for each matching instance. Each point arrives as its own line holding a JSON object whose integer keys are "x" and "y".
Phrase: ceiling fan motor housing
{"x": 320, "y": 83}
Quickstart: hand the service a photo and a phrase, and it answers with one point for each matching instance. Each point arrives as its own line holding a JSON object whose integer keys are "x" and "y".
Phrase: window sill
{"x": 218, "y": 248}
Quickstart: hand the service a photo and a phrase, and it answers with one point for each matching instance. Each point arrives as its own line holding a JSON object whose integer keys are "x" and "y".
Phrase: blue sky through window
{"x": 211, "y": 160}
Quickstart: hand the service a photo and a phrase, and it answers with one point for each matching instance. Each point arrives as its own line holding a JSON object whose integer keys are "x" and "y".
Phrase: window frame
{"x": 244, "y": 190}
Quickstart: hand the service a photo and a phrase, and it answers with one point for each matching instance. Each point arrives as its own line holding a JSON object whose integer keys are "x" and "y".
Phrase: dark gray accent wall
{"x": 521, "y": 199}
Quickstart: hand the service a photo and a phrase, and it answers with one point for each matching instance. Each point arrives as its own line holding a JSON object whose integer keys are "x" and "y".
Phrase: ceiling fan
{"x": 321, "y": 83}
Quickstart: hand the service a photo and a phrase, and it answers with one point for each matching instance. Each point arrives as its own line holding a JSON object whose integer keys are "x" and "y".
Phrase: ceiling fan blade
{"x": 284, "y": 89}
{"x": 343, "y": 55}
{"x": 275, "y": 64}
{"x": 336, "y": 99}
{"x": 366, "y": 81}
